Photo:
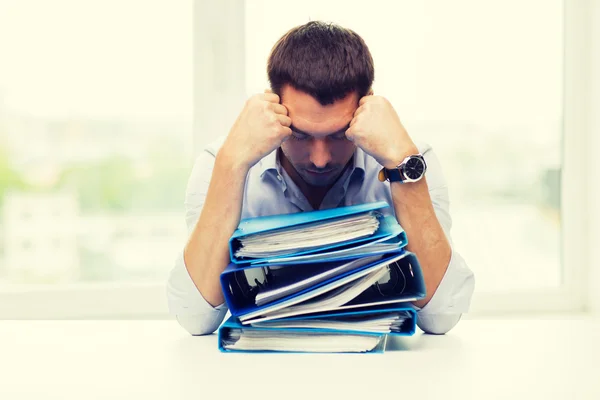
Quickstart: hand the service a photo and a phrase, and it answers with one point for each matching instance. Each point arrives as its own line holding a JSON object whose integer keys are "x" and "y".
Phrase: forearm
{"x": 426, "y": 237}
{"x": 206, "y": 254}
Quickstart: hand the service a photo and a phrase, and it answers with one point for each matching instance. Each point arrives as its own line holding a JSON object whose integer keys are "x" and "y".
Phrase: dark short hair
{"x": 322, "y": 59}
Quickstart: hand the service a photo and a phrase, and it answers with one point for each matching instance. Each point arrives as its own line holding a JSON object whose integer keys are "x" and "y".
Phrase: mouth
{"x": 319, "y": 173}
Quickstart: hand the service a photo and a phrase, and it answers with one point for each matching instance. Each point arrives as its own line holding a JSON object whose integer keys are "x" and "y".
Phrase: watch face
{"x": 414, "y": 168}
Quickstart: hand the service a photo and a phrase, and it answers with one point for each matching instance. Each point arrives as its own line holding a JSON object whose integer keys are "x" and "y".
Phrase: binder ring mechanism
{"x": 250, "y": 292}
{"x": 388, "y": 284}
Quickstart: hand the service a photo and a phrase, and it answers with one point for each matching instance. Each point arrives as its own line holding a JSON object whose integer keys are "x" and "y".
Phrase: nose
{"x": 320, "y": 155}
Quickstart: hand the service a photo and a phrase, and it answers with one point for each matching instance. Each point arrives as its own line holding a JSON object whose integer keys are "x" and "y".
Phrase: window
{"x": 95, "y": 139}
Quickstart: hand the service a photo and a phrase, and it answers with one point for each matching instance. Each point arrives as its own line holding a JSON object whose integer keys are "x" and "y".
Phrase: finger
{"x": 350, "y": 133}
{"x": 370, "y": 92}
{"x": 287, "y": 132}
{"x": 278, "y": 108}
{"x": 284, "y": 120}
{"x": 268, "y": 90}
{"x": 271, "y": 97}
{"x": 358, "y": 111}
{"x": 365, "y": 99}
{"x": 356, "y": 120}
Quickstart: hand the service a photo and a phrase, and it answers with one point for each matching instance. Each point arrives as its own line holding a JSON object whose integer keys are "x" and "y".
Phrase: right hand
{"x": 260, "y": 128}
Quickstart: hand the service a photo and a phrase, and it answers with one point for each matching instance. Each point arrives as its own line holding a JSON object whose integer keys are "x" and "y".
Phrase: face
{"x": 318, "y": 149}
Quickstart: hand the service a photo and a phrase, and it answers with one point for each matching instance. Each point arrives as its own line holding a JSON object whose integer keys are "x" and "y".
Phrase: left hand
{"x": 376, "y": 128}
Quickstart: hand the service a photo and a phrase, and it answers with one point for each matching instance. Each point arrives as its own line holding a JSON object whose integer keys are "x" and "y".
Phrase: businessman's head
{"x": 320, "y": 71}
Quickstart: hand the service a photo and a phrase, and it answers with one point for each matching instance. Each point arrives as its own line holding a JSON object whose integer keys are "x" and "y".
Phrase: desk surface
{"x": 480, "y": 359}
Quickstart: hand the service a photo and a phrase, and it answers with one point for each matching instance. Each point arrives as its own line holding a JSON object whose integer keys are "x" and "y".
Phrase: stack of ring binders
{"x": 337, "y": 280}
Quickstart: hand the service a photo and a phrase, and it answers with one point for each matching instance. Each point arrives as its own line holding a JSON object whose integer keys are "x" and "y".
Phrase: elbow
{"x": 438, "y": 324}
{"x": 202, "y": 321}
{"x": 196, "y": 317}
{"x": 450, "y": 301}
{"x": 195, "y": 325}
{"x": 187, "y": 305}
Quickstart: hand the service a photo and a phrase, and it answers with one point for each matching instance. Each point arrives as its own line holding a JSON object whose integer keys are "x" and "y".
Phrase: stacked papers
{"x": 384, "y": 324}
{"x": 327, "y": 298}
{"x": 277, "y": 292}
{"x": 308, "y": 236}
{"x": 300, "y": 341}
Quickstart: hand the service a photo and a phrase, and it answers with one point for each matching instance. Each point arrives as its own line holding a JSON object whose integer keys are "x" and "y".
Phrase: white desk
{"x": 479, "y": 359}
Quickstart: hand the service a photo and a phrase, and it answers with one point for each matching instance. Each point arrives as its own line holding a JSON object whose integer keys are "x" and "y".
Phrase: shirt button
{"x": 279, "y": 177}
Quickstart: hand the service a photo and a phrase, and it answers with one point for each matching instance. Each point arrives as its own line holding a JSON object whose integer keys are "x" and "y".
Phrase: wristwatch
{"x": 411, "y": 169}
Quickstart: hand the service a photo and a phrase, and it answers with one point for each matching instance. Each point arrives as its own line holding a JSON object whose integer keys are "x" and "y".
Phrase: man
{"x": 318, "y": 139}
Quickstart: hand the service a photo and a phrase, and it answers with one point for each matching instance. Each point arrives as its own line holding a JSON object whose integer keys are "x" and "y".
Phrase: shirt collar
{"x": 359, "y": 160}
{"x": 270, "y": 162}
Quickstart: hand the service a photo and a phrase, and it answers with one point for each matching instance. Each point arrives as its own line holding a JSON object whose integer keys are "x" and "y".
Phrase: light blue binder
{"x": 408, "y": 328}
{"x": 389, "y": 230}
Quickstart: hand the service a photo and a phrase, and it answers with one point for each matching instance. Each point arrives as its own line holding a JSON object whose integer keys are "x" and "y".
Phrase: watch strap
{"x": 392, "y": 175}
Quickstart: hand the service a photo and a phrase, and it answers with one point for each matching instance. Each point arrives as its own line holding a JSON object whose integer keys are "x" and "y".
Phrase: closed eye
{"x": 339, "y": 136}
{"x": 299, "y": 136}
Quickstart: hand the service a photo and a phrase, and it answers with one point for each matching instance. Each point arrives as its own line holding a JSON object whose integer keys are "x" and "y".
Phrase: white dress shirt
{"x": 269, "y": 190}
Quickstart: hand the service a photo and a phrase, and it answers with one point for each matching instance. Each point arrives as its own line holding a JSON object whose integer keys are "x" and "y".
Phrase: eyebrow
{"x": 343, "y": 130}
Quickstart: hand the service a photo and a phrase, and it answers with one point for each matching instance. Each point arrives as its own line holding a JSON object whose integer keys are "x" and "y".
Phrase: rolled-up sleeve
{"x": 451, "y": 299}
{"x": 185, "y": 301}
{"x": 453, "y": 295}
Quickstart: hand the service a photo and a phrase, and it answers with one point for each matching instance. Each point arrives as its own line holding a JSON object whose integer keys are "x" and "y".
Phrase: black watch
{"x": 412, "y": 169}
